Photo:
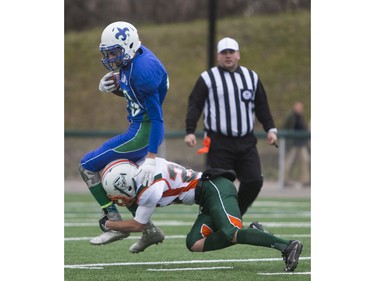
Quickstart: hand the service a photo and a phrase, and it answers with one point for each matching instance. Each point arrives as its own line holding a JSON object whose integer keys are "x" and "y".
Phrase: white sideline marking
{"x": 128, "y": 238}
{"x": 266, "y": 203}
{"x": 178, "y": 223}
{"x": 271, "y": 215}
{"x": 280, "y": 204}
{"x": 284, "y": 273}
{"x": 175, "y": 237}
{"x": 99, "y": 265}
{"x": 191, "y": 268}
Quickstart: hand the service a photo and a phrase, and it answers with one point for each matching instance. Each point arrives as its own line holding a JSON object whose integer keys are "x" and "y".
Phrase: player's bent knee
{"x": 91, "y": 178}
{"x": 198, "y": 246}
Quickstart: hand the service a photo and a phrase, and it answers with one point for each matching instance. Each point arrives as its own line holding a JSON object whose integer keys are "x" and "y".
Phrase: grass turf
{"x": 287, "y": 218}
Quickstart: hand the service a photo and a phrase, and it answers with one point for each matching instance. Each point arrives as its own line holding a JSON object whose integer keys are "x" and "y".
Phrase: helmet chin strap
{"x": 128, "y": 62}
{"x": 122, "y": 200}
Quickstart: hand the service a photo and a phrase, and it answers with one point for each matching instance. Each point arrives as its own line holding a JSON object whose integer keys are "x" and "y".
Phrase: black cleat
{"x": 258, "y": 226}
{"x": 291, "y": 255}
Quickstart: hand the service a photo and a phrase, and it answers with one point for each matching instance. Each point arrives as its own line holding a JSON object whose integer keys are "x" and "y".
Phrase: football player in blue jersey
{"x": 142, "y": 80}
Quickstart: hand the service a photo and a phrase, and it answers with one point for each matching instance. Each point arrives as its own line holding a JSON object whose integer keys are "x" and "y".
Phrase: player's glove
{"x": 102, "y": 222}
{"x": 106, "y": 84}
{"x": 146, "y": 171}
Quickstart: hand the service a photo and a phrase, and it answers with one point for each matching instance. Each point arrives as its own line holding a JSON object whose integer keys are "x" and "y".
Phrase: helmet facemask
{"x": 126, "y": 189}
{"x": 114, "y": 57}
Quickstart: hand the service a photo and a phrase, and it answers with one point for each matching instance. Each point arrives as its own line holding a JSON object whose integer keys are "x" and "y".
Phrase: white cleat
{"x": 151, "y": 235}
{"x": 108, "y": 237}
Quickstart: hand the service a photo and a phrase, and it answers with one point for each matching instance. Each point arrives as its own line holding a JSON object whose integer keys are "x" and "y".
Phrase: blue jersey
{"x": 145, "y": 84}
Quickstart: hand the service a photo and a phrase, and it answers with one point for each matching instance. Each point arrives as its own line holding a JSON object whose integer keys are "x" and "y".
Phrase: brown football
{"x": 115, "y": 77}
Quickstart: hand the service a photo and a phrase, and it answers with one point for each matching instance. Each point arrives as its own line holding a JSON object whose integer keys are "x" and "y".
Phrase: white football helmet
{"x": 117, "y": 180}
{"x": 119, "y": 44}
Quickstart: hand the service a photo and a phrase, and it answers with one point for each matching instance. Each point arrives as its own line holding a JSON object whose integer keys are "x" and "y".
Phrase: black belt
{"x": 211, "y": 174}
{"x": 220, "y": 135}
{"x": 198, "y": 192}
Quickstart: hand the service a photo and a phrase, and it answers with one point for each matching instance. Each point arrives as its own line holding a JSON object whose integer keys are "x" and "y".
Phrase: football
{"x": 115, "y": 77}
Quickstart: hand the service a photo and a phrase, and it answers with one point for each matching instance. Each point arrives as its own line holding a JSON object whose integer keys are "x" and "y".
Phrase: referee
{"x": 230, "y": 97}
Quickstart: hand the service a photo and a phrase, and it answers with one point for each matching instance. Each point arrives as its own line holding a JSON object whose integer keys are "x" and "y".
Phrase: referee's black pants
{"x": 241, "y": 155}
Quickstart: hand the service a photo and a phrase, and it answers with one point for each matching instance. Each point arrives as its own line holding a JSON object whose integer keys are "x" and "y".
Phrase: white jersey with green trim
{"x": 173, "y": 184}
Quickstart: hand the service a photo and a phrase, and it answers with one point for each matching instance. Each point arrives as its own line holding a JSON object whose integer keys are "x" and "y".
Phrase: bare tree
{"x": 80, "y": 15}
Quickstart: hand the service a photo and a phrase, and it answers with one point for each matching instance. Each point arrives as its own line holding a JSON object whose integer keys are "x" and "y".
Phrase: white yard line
{"x": 175, "y": 237}
{"x": 284, "y": 273}
{"x": 94, "y": 217}
{"x": 190, "y": 268}
{"x": 179, "y": 223}
{"x": 259, "y": 203}
{"x": 101, "y": 265}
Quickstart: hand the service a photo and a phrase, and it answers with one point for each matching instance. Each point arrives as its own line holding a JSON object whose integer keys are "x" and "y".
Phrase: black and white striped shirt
{"x": 230, "y": 101}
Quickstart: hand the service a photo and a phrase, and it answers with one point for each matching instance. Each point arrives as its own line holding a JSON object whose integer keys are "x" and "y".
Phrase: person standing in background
{"x": 298, "y": 152}
{"x": 230, "y": 97}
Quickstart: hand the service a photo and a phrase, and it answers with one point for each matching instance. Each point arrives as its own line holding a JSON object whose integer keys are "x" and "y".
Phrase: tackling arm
{"x": 125, "y": 226}
{"x": 142, "y": 217}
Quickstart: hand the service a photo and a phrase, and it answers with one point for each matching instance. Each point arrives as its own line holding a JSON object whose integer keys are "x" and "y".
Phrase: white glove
{"x": 108, "y": 85}
{"x": 146, "y": 171}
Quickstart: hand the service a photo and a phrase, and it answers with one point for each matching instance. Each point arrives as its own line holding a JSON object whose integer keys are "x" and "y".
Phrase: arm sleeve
{"x": 148, "y": 201}
{"x": 196, "y": 102}
{"x": 155, "y": 115}
{"x": 143, "y": 214}
{"x": 262, "y": 109}
{"x": 148, "y": 85}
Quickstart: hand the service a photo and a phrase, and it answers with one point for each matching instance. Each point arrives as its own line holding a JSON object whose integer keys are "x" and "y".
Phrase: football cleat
{"x": 291, "y": 255}
{"x": 108, "y": 237}
{"x": 258, "y": 226}
{"x": 151, "y": 235}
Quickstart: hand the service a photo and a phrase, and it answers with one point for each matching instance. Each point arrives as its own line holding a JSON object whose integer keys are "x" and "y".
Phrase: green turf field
{"x": 287, "y": 218}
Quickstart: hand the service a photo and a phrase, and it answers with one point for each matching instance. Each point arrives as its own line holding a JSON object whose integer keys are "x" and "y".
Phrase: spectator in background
{"x": 298, "y": 151}
{"x": 230, "y": 97}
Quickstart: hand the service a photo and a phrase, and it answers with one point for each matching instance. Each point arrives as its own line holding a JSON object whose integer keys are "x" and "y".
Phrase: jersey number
{"x": 186, "y": 175}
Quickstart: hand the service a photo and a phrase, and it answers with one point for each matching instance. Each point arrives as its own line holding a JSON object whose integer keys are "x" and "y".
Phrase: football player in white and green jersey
{"x": 219, "y": 222}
